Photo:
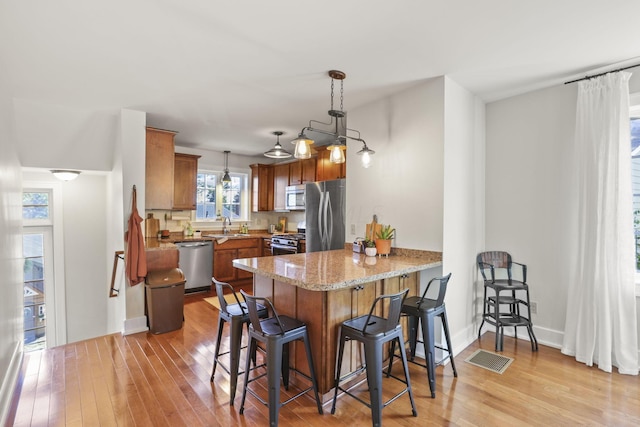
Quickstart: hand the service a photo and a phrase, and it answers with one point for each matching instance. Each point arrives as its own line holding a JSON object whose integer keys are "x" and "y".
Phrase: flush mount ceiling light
{"x": 65, "y": 175}
{"x": 226, "y": 177}
{"x": 277, "y": 152}
{"x": 303, "y": 142}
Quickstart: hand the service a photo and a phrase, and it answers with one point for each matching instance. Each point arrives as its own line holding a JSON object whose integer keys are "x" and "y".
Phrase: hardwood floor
{"x": 163, "y": 380}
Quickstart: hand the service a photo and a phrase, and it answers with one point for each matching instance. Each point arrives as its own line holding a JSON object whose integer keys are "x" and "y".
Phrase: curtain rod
{"x": 602, "y": 74}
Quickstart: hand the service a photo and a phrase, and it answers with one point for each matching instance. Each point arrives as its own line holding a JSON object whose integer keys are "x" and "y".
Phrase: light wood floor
{"x": 163, "y": 380}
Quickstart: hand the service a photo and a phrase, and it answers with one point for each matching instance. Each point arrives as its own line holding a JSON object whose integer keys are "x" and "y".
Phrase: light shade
{"x": 277, "y": 152}
{"x": 337, "y": 153}
{"x": 303, "y": 146}
{"x": 365, "y": 154}
{"x": 65, "y": 175}
{"x": 226, "y": 177}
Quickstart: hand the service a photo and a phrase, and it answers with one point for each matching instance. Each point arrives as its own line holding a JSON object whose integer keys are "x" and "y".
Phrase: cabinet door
{"x": 247, "y": 253}
{"x": 184, "y": 181}
{"x": 159, "y": 164}
{"x": 308, "y": 170}
{"x": 223, "y": 269}
{"x": 295, "y": 173}
{"x": 326, "y": 170}
{"x": 261, "y": 188}
{"x": 280, "y": 182}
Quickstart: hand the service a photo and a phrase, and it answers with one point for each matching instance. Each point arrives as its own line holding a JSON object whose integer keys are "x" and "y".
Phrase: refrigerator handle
{"x": 320, "y": 217}
{"x": 329, "y": 221}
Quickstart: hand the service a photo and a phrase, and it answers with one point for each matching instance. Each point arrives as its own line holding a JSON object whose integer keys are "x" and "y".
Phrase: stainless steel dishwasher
{"x": 196, "y": 262}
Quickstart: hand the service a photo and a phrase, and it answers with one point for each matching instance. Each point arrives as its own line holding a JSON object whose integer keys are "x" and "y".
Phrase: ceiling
{"x": 226, "y": 74}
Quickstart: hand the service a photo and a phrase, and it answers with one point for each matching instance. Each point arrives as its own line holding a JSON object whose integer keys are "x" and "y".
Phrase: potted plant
{"x": 383, "y": 239}
{"x": 370, "y": 247}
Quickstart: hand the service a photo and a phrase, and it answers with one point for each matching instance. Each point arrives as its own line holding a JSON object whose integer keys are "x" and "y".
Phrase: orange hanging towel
{"x": 135, "y": 258}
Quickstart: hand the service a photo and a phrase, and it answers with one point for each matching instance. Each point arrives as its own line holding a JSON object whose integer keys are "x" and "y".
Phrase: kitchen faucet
{"x": 225, "y": 230}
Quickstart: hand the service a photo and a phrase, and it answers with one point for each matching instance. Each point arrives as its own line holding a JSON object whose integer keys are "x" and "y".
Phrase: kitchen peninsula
{"x": 323, "y": 289}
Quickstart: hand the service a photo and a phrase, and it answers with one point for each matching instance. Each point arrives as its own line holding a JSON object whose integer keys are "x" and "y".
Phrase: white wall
{"x": 404, "y": 184}
{"x": 426, "y": 180}
{"x": 529, "y": 194}
{"x": 11, "y": 262}
{"x": 463, "y": 219}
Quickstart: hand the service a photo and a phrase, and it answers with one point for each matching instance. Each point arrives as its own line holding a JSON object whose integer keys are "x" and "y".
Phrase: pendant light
{"x": 226, "y": 177}
{"x": 365, "y": 154}
{"x": 303, "y": 142}
{"x": 277, "y": 152}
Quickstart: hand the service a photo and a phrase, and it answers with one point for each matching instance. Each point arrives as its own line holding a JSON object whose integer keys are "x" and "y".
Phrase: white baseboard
{"x": 135, "y": 325}
{"x": 9, "y": 382}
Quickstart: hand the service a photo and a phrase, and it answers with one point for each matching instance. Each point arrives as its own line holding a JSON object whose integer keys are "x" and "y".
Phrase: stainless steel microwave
{"x": 295, "y": 197}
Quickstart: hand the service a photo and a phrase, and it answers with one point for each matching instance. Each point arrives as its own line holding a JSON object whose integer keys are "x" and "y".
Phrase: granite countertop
{"x": 337, "y": 269}
{"x": 153, "y": 243}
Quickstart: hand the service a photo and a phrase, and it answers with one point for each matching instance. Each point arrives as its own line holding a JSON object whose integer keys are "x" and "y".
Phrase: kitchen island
{"x": 323, "y": 289}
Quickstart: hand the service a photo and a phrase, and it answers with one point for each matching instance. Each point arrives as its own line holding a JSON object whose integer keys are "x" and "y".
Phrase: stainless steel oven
{"x": 285, "y": 244}
{"x": 294, "y": 197}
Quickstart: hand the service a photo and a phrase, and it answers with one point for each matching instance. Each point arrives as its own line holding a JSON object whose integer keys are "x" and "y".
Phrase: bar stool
{"x": 237, "y": 314}
{"x": 373, "y": 332}
{"x": 423, "y": 310}
{"x": 275, "y": 332}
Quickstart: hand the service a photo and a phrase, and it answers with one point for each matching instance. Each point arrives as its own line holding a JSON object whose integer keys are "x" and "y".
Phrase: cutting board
{"x": 372, "y": 230}
{"x": 152, "y": 226}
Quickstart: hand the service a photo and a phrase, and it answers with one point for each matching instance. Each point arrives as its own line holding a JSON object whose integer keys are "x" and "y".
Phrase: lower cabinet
{"x": 225, "y": 253}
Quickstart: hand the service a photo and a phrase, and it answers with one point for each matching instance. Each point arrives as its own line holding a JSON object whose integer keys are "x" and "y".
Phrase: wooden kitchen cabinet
{"x": 185, "y": 173}
{"x": 261, "y": 188}
{"x": 280, "y": 182}
{"x": 266, "y": 246}
{"x": 326, "y": 170}
{"x": 302, "y": 171}
{"x": 159, "y": 167}
{"x": 225, "y": 253}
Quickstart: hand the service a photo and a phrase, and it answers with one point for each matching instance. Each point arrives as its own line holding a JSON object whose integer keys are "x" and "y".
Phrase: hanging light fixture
{"x": 226, "y": 177}
{"x": 365, "y": 154}
{"x": 303, "y": 142}
{"x": 277, "y": 152}
{"x": 65, "y": 175}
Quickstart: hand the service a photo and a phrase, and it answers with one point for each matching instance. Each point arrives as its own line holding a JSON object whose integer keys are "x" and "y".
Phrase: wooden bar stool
{"x": 276, "y": 332}
{"x": 237, "y": 314}
{"x": 373, "y": 332}
{"x": 423, "y": 310}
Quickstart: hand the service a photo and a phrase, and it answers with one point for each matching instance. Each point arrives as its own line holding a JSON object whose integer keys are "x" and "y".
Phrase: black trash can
{"x": 165, "y": 300}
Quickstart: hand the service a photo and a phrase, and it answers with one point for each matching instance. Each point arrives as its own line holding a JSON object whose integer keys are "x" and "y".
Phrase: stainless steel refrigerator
{"x": 325, "y": 215}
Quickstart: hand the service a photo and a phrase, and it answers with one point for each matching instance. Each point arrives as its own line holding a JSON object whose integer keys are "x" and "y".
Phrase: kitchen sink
{"x": 220, "y": 236}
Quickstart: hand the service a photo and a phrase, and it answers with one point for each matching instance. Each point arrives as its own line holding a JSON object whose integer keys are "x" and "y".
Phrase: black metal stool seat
{"x": 373, "y": 332}
{"x": 276, "y": 333}
{"x": 237, "y": 314}
{"x": 423, "y": 310}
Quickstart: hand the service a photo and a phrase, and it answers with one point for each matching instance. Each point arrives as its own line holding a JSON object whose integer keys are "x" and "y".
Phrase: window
{"x": 216, "y": 199}
{"x": 635, "y": 169}
{"x": 36, "y": 240}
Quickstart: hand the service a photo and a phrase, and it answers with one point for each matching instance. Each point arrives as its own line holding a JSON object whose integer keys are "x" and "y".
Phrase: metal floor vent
{"x": 490, "y": 361}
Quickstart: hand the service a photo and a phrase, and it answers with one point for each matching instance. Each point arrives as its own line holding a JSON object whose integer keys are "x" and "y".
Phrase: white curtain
{"x": 601, "y": 308}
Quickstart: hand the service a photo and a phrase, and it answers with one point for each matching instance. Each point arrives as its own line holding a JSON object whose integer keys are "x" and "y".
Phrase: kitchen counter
{"x": 323, "y": 289}
{"x": 153, "y": 243}
{"x": 337, "y": 269}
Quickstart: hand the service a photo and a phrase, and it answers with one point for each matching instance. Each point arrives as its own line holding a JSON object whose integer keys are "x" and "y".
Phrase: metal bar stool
{"x": 423, "y": 310}
{"x": 237, "y": 314}
{"x": 373, "y": 332}
{"x": 275, "y": 332}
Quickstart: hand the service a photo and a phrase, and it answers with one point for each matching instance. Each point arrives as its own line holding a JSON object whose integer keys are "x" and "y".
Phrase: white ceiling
{"x": 225, "y": 74}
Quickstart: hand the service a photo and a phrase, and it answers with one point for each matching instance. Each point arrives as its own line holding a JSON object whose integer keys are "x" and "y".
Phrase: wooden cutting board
{"x": 152, "y": 226}
{"x": 372, "y": 230}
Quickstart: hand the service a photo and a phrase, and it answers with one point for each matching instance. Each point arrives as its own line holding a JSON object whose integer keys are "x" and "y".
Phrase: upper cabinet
{"x": 280, "y": 182}
{"x": 261, "y": 188}
{"x": 159, "y": 169}
{"x": 302, "y": 171}
{"x": 185, "y": 174}
{"x": 326, "y": 170}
